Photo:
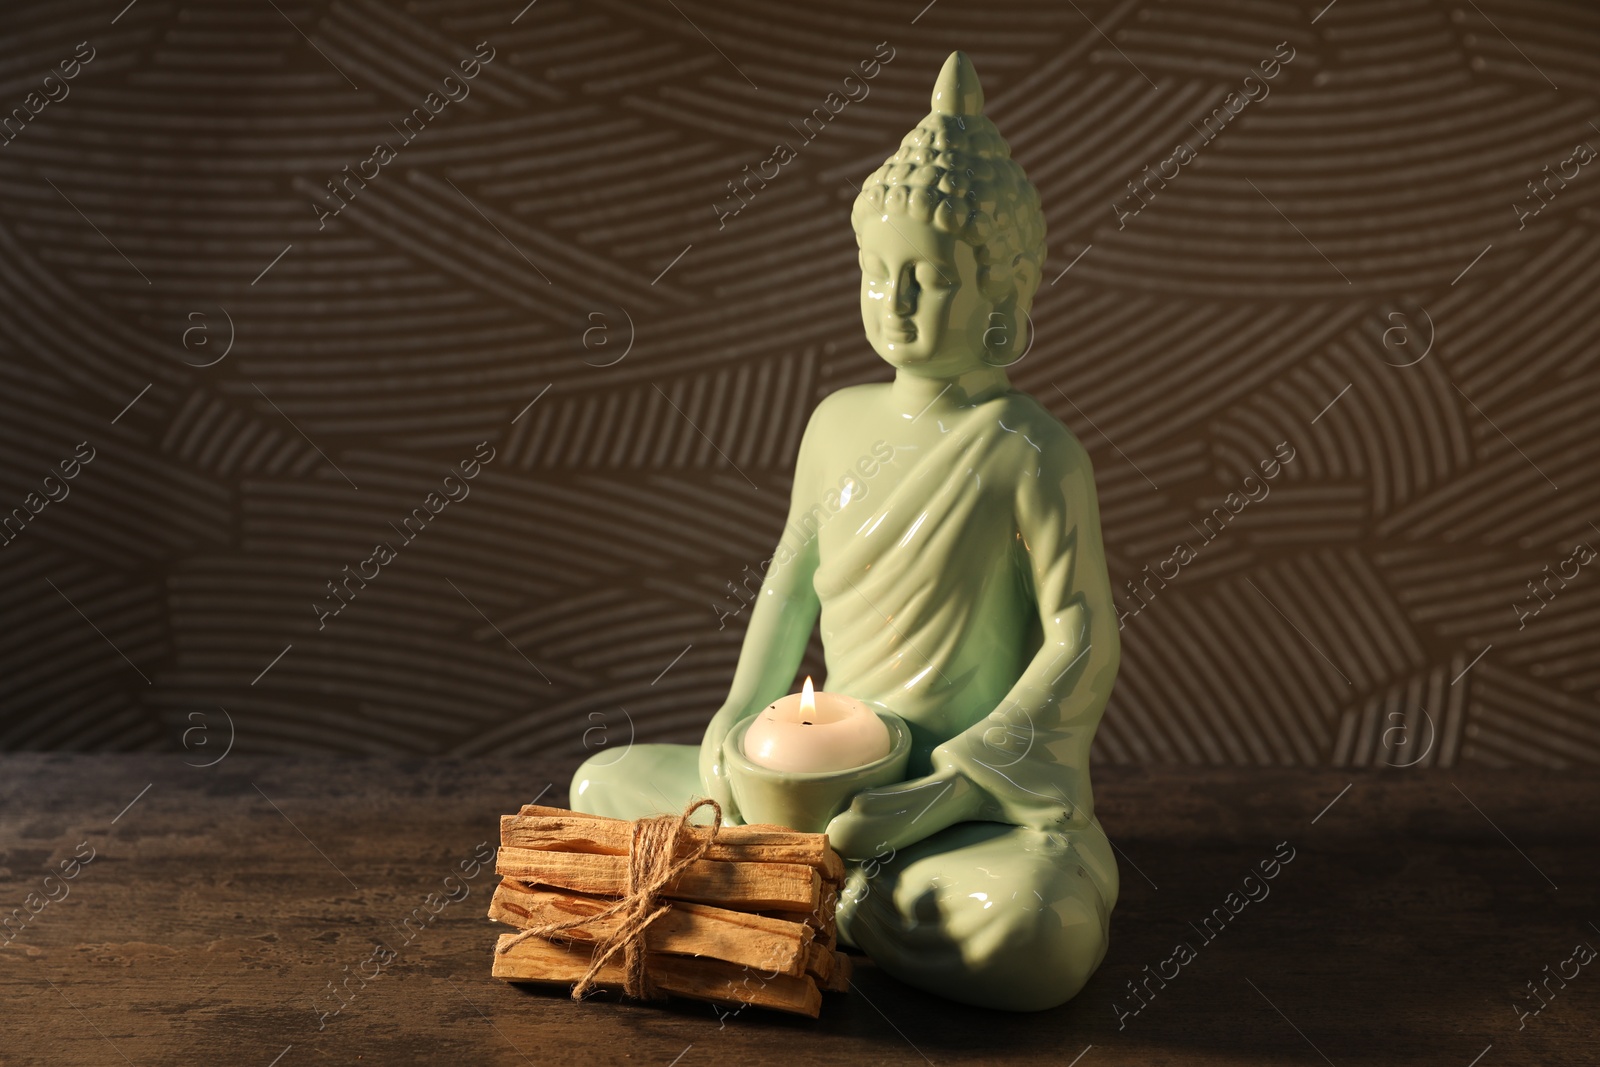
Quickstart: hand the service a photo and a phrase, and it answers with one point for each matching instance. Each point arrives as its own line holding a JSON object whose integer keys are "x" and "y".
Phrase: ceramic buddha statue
{"x": 944, "y": 532}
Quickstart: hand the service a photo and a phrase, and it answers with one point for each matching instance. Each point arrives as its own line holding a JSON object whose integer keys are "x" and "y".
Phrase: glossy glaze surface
{"x": 945, "y": 535}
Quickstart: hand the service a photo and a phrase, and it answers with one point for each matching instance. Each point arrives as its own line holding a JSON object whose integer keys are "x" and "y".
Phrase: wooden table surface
{"x": 221, "y": 902}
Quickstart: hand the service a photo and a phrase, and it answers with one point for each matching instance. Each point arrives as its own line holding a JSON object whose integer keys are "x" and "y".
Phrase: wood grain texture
{"x": 207, "y": 924}
{"x": 553, "y": 239}
{"x": 551, "y": 829}
{"x": 545, "y": 963}
{"x": 686, "y": 930}
{"x": 752, "y": 886}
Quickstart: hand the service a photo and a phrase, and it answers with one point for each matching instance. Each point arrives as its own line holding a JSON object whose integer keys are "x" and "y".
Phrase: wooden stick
{"x": 687, "y": 930}
{"x": 559, "y": 830}
{"x": 822, "y": 918}
{"x": 820, "y": 962}
{"x": 537, "y": 960}
{"x": 839, "y": 980}
{"x": 745, "y": 886}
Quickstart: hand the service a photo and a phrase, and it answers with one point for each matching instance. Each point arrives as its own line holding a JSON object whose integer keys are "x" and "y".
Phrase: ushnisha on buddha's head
{"x": 952, "y": 240}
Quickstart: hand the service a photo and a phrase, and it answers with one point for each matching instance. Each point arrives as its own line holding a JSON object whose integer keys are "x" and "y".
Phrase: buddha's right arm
{"x": 781, "y": 622}
{"x": 780, "y": 627}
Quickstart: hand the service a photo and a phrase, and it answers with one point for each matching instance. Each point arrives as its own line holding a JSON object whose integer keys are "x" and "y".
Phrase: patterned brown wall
{"x": 1347, "y": 263}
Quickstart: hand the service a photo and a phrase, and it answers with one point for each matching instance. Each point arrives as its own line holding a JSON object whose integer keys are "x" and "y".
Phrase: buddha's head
{"x": 951, "y": 239}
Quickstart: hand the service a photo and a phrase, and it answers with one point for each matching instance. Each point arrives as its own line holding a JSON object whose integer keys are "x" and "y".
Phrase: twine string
{"x": 650, "y": 868}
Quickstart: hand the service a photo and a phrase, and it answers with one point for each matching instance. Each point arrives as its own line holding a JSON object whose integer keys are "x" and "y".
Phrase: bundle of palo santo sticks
{"x": 741, "y": 916}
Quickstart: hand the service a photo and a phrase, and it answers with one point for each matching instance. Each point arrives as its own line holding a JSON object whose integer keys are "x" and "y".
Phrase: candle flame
{"x": 808, "y": 699}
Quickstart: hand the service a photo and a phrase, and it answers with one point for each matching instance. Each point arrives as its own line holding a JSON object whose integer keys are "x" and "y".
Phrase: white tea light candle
{"x": 811, "y": 731}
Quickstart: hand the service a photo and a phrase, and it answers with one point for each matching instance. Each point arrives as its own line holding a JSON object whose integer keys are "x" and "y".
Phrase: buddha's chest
{"x": 926, "y": 494}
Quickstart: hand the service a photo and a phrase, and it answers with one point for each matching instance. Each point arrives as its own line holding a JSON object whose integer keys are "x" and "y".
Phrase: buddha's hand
{"x": 894, "y": 816}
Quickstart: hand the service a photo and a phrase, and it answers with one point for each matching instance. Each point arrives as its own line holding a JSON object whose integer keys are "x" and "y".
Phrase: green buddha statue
{"x": 962, "y": 584}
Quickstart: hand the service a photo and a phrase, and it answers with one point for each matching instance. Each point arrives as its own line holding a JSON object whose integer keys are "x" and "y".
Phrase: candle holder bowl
{"x": 806, "y": 800}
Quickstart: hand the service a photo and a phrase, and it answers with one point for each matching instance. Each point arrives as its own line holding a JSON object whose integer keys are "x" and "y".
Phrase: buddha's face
{"x": 921, "y": 302}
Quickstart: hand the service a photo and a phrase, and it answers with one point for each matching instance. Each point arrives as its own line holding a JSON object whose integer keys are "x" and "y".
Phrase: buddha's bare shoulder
{"x": 851, "y": 400}
{"x": 1039, "y": 431}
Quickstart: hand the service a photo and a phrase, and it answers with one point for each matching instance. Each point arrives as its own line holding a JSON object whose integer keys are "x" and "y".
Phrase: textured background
{"x": 1342, "y": 268}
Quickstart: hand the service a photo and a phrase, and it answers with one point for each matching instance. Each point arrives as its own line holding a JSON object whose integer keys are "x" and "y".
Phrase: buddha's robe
{"x": 972, "y": 599}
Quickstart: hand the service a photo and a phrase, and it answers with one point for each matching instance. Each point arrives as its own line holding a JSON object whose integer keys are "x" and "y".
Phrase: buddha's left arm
{"x": 1027, "y": 762}
{"x": 1030, "y": 756}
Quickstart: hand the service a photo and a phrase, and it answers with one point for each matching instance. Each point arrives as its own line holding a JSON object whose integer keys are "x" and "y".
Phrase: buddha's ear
{"x": 1009, "y": 309}
{"x": 1012, "y": 284}
{"x": 997, "y": 281}
{"x": 1007, "y": 327}
{"x": 1007, "y": 303}
{"x": 1022, "y": 282}
{"x": 1025, "y": 276}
